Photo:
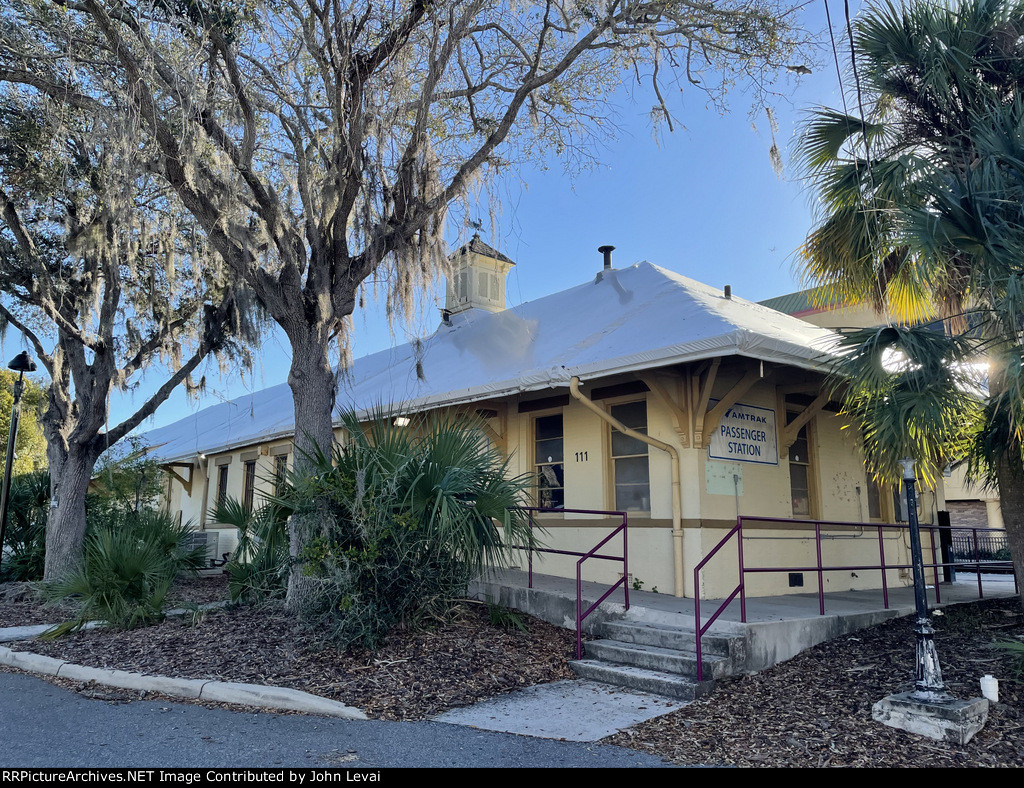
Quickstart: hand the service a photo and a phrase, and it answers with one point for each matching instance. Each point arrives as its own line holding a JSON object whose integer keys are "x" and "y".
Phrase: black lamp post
{"x": 928, "y": 683}
{"x": 21, "y": 364}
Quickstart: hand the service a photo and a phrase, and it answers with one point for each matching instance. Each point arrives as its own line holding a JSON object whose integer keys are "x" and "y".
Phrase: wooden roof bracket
{"x": 497, "y": 436}
{"x": 701, "y": 405}
{"x": 185, "y": 483}
{"x": 663, "y": 387}
{"x": 742, "y": 386}
{"x": 789, "y": 432}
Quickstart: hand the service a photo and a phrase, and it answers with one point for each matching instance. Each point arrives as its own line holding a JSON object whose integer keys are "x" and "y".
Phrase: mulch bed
{"x": 416, "y": 676}
{"x": 21, "y": 606}
{"x": 815, "y": 709}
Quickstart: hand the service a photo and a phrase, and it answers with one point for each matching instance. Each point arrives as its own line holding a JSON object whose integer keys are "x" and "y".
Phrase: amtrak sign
{"x": 746, "y": 433}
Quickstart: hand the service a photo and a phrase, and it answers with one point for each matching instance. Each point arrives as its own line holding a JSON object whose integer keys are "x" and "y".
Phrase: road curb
{"x": 29, "y": 662}
{"x": 273, "y": 698}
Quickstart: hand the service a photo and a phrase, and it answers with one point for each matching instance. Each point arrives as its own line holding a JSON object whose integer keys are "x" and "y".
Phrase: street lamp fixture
{"x": 21, "y": 364}
{"x": 928, "y": 676}
{"x": 928, "y": 710}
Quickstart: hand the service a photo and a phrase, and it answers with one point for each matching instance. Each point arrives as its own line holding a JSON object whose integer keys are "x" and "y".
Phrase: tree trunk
{"x": 1011, "y": 504}
{"x": 65, "y": 526}
{"x": 312, "y": 382}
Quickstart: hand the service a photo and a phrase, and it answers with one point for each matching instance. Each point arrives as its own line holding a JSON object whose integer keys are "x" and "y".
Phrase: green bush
{"x": 24, "y": 545}
{"x": 396, "y": 522}
{"x": 1014, "y": 649}
{"x": 123, "y": 484}
{"x": 120, "y": 487}
{"x": 259, "y": 567}
{"x": 128, "y": 568}
{"x": 505, "y": 618}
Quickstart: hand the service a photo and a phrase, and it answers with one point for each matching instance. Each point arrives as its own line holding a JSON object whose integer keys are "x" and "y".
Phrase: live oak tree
{"x": 104, "y": 275}
{"x": 317, "y": 143}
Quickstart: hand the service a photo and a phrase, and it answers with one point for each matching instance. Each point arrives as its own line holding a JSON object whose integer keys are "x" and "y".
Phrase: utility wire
{"x": 876, "y": 248}
{"x": 835, "y": 56}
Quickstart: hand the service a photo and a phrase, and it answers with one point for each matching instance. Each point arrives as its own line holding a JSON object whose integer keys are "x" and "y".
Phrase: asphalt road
{"x": 44, "y": 725}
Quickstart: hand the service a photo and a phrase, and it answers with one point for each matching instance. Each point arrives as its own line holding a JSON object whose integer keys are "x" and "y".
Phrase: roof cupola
{"x": 478, "y": 278}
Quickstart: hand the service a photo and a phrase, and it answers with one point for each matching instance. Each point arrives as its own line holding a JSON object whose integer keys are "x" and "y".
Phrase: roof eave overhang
{"x": 793, "y": 355}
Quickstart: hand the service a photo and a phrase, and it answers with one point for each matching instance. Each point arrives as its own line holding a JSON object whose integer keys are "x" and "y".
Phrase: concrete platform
{"x": 776, "y": 629}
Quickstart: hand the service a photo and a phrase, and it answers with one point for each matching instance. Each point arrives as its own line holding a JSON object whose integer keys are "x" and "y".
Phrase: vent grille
{"x": 208, "y": 540}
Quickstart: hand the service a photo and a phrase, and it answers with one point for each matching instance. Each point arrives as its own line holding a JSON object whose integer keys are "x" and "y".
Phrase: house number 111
{"x": 581, "y": 456}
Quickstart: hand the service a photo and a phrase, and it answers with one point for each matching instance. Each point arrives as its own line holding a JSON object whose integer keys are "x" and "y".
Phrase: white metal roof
{"x": 641, "y": 317}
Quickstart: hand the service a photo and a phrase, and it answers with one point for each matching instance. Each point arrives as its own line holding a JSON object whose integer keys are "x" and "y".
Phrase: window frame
{"x": 280, "y": 472}
{"x": 223, "y": 482}
{"x": 611, "y": 497}
{"x": 886, "y": 504}
{"x": 249, "y": 485}
{"x": 813, "y": 492}
{"x": 534, "y": 417}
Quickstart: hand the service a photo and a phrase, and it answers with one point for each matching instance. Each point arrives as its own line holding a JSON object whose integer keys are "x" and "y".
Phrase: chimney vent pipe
{"x": 728, "y": 291}
{"x": 607, "y": 252}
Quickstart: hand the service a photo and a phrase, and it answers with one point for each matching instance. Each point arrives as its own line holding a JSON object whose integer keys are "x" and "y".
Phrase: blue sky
{"x": 703, "y": 201}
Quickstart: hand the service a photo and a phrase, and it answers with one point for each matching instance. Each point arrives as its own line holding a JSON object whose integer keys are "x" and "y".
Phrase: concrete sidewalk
{"x": 566, "y": 710}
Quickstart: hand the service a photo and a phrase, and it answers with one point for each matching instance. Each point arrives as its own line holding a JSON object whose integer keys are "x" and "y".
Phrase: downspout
{"x": 677, "y": 500}
{"x": 204, "y": 466}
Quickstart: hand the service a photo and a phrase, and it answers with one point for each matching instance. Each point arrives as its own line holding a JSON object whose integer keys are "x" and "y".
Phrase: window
{"x": 874, "y": 500}
{"x": 248, "y": 484}
{"x": 548, "y": 460}
{"x": 222, "y": 484}
{"x": 280, "y": 472}
{"x": 630, "y": 471}
{"x": 800, "y": 473}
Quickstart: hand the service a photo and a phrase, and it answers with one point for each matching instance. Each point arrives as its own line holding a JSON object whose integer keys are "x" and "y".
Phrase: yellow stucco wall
{"x": 839, "y": 486}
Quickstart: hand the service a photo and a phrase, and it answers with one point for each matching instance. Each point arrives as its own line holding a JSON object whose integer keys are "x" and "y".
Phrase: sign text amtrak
{"x": 746, "y": 433}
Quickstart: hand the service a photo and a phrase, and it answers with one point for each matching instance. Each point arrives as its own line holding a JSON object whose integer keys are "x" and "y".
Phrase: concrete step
{"x": 654, "y": 658}
{"x": 722, "y": 645}
{"x": 642, "y": 679}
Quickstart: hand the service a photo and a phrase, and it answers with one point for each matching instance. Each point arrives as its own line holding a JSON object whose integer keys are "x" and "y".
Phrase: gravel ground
{"x": 418, "y": 675}
{"x": 815, "y": 709}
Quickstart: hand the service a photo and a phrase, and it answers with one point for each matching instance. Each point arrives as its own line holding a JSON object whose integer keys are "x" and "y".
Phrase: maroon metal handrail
{"x": 592, "y": 553}
{"x": 740, "y": 589}
{"x": 820, "y": 568}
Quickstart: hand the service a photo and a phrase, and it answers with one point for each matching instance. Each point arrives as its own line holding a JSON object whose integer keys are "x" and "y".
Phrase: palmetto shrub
{"x": 258, "y": 569}
{"x": 403, "y": 517}
{"x": 129, "y": 565}
{"x": 24, "y": 545}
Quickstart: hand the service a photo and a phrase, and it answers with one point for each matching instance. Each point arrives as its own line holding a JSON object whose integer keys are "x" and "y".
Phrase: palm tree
{"x": 921, "y": 216}
{"x": 925, "y": 72}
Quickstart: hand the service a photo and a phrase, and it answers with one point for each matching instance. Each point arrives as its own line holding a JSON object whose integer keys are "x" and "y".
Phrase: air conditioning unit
{"x": 208, "y": 540}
